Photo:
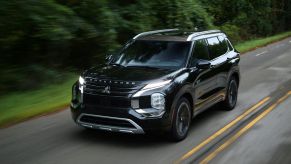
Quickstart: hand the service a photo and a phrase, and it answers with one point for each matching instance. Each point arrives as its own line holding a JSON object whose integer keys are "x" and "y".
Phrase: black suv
{"x": 158, "y": 82}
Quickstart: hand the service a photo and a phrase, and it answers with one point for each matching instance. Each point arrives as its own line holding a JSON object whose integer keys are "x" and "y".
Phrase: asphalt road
{"x": 269, "y": 141}
{"x": 266, "y": 72}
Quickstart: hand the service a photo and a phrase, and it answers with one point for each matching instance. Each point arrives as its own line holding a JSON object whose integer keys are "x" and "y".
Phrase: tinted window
{"x": 214, "y": 47}
{"x": 217, "y": 46}
{"x": 154, "y": 54}
{"x": 200, "y": 51}
{"x": 223, "y": 45}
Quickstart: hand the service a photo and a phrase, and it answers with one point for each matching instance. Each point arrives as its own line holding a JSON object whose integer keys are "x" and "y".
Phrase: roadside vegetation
{"x": 18, "y": 106}
{"x": 42, "y": 42}
{"x": 260, "y": 42}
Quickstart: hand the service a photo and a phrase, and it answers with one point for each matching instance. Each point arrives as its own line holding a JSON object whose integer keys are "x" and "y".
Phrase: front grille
{"x": 106, "y": 121}
{"x": 117, "y": 88}
{"x": 118, "y": 95}
{"x": 95, "y": 89}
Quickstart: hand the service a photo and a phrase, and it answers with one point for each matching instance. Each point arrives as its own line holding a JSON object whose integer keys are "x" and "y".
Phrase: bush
{"x": 232, "y": 31}
{"x": 40, "y": 37}
{"x": 29, "y": 77}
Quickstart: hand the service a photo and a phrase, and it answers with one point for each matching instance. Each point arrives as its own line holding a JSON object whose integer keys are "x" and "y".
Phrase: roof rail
{"x": 154, "y": 32}
{"x": 190, "y": 37}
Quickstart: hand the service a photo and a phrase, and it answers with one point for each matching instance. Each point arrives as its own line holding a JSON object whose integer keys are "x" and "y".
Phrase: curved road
{"x": 265, "y": 72}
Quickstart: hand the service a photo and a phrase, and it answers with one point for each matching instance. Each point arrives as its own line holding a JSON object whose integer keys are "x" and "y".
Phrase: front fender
{"x": 183, "y": 87}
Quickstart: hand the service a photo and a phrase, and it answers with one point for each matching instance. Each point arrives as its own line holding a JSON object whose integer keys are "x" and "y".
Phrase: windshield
{"x": 160, "y": 54}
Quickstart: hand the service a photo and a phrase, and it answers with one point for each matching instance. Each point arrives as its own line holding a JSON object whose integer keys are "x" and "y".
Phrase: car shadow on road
{"x": 206, "y": 116}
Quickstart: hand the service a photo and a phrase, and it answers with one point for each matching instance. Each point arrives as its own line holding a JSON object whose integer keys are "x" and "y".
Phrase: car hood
{"x": 131, "y": 73}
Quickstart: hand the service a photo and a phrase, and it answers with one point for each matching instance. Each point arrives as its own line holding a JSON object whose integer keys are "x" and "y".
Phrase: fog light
{"x": 158, "y": 101}
{"x": 81, "y": 84}
{"x": 134, "y": 103}
{"x": 74, "y": 92}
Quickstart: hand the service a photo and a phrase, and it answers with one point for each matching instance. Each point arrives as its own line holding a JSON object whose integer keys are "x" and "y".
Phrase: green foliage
{"x": 184, "y": 14}
{"x": 39, "y": 38}
{"x": 253, "y": 17}
{"x": 260, "y": 42}
{"x": 29, "y": 77}
{"x": 19, "y": 106}
{"x": 233, "y": 31}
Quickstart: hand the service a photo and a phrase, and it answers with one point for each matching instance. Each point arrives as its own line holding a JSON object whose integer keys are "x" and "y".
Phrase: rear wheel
{"x": 231, "y": 95}
{"x": 182, "y": 118}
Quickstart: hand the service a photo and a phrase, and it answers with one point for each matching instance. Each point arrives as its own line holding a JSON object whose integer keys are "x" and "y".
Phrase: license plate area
{"x": 107, "y": 101}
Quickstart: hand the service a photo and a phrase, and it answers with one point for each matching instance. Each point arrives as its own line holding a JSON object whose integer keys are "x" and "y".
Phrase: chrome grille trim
{"x": 136, "y": 130}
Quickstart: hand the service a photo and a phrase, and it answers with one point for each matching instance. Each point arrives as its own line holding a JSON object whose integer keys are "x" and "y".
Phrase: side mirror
{"x": 203, "y": 64}
{"x": 108, "y": 58}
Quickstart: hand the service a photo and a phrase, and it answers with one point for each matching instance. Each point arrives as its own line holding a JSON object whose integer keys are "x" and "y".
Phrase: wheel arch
{"x": 236, "y": 76}
{"x": 234, "y": 72}
{"x": 185, "y": 91}
{"x": 189, "y": 97}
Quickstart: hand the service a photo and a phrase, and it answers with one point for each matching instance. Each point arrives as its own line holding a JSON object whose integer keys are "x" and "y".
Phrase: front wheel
{"x": 182, "y": 119}
{"x": 231, "y": 95}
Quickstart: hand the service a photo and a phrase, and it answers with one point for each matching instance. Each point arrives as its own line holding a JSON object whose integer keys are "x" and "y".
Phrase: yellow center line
{"x": 243, "y": 130}
{"x": 222, "y": 130}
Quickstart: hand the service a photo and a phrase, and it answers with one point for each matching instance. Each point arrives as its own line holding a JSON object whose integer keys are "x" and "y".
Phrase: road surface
{"x": 265, "y": 79}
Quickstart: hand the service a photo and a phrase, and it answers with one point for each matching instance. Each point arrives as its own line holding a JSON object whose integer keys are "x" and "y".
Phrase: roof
{"x": 173, "y": 35}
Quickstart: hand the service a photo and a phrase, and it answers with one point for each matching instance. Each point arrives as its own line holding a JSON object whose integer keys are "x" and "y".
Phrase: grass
{"x": 260, "y": 42}
{"x": 20, "y": 106}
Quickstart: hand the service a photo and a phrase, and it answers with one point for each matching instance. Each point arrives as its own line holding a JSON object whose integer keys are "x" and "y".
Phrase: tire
{"x": 181, "y": 120}
{"x": 231, "y": 95}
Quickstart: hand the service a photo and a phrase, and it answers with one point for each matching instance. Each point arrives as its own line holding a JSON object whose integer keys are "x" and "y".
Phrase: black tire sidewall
{"x": 174, "y": 131}
{"x": 227, "y": 104}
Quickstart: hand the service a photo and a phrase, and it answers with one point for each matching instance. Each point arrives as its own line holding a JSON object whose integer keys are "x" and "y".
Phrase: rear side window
{"x": 214, "y": 47}
{"x": 217, "y": 46}
{"x": 223, "y": 44}
{"x": 200, "y": 51}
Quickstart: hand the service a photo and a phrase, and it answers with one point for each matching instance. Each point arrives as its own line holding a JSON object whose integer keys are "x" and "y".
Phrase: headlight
{"x": 81, "y": 80}
{"x": 81, "y": 84}
{"x": 158, "y": 101}
{"x": 157, "y": 108}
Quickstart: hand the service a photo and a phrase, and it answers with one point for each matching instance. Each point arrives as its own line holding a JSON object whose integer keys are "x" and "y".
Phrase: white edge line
{"x": 261, "y": 53}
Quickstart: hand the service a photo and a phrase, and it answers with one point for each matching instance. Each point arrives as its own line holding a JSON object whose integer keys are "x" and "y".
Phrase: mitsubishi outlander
{"x": 158, "y": 81}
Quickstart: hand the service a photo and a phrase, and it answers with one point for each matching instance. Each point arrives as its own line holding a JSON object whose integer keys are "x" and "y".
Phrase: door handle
{"x": 232, "y": 60}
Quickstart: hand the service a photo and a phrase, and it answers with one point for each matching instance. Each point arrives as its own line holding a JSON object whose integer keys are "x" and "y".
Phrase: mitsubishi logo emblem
{"x": 107, "y": 90}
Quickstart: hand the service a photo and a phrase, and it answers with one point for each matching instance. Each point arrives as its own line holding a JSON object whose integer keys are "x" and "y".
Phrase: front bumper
{"x": 124, "y": 120}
